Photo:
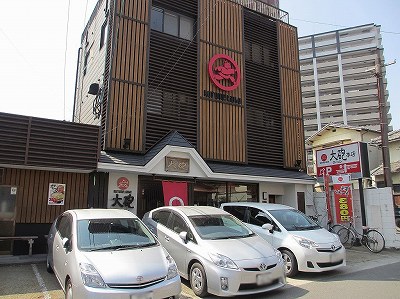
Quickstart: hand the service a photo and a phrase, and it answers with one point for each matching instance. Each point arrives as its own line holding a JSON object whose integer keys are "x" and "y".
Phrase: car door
{"x": 177, "y": 247}
{"x": 256, "y": 219}
{"x": 64, "y": 230}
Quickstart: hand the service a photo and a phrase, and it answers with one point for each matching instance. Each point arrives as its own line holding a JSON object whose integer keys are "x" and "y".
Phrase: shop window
{"x": 214, "y": 194}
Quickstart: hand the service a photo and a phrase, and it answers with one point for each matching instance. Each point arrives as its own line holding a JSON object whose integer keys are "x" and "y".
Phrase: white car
{"x": 109, "y": 253}
{"x": 304, "y": 244}
{"x": 216, "y": 252}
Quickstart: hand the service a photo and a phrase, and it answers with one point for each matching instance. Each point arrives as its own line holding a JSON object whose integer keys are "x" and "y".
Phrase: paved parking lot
{"x": 26, "y": 277}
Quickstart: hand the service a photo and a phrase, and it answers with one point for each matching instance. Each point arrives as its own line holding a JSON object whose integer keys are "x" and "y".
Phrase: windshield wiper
{"x": 301, "y": 227}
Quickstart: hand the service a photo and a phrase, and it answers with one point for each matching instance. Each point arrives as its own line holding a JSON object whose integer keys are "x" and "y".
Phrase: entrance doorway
{"x": 8, "y": 196}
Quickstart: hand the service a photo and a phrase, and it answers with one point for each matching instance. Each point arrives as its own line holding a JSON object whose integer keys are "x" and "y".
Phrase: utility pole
{"x": 383, "y": 120}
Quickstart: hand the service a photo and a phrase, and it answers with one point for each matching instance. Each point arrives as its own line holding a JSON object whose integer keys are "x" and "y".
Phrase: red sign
{"x": 339, "y": 160}
{"x": 122, "y": 183}
{"x": 175, "y": 193}
{"x": 224, "y": 72}
{"x": 343, "y": 198}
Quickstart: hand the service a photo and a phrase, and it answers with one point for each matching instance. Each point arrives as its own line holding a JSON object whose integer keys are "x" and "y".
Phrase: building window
{"x": 171, "y": 23}
{"x": 103, "y": 34}
{"x": 85, "y": 62}
{"x": 157, "y": 19}
{"x": 257, "y": 53}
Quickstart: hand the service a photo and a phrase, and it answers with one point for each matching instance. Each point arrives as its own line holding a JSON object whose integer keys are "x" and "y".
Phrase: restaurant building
{"x": 199, "y": 102}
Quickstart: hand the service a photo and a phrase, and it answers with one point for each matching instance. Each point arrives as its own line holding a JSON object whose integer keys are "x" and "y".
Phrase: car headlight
{"x": 336, "y": 237}
{"x": 306, "y": 242}
{"x": 172, "y": 269}
{"x": 90, "y": 276}
{"x": 279, "y": 255}
{"x": 222, "y": 261}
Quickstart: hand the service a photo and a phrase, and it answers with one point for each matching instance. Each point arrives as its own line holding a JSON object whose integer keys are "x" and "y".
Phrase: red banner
{"x": 175, "y": 193}
{"x": 343, "y": 202}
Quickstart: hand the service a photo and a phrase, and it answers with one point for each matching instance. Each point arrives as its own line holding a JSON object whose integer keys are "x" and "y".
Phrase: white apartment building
{"x": 337, "y": 78}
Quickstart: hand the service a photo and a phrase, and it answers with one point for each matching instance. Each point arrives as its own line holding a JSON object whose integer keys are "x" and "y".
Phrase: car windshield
{"x": 294, "y": 220}
{"x": 214, "y": 227}
{"x": 113, "y": 234}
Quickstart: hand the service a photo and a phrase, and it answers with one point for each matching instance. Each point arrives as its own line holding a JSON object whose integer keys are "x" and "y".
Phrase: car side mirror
{"x": 184, "y": 236}
{"x": 66, "y": 243}
{"x": 268, "y": 226}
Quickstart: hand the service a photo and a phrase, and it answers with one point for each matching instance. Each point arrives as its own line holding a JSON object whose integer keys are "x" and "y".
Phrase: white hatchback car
{"x": 304, "y": 244}
{"x": 109, "y": 253}
{"x": 216, "y": 252}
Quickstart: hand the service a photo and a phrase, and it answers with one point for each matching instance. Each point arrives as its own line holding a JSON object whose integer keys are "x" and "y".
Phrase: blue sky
{"x": 38, "y": 58}
{"x": 317, "y": 16}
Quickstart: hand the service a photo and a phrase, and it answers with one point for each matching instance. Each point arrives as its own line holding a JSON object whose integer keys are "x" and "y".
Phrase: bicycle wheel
{"x": 335, "y": 228}
{"x": 347, "y": 237}
{"x": 375, "y": 242}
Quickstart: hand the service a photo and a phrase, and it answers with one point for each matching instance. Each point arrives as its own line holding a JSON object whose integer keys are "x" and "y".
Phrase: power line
{"x": 336, "y": 25}
{"x": 66, "y": 50}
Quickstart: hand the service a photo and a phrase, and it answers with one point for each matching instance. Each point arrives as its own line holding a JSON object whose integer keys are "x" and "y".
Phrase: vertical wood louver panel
{"x": 222, "y": 127}
{"x": 263, "y": 103}
{"x": 171, "y": 98}
{"x": 292, "y": 112}
{"x": 32, "y": 193}
{"x": 171, "y": 102}
{"x": 126, "y": 96}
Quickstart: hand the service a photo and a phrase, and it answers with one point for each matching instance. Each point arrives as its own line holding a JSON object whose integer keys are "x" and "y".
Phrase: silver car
{"x": 305, "y": 245}
{"x": 216, "y": 252}
{"x": 109, "y": 253}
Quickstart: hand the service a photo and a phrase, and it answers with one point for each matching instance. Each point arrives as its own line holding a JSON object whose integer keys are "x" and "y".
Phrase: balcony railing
{"x": 265, "y": 9}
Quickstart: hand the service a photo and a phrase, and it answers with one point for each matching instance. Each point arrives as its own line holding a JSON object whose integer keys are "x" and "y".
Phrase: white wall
{"x": 380, "y": 214}
{"x": 378, "y": 209}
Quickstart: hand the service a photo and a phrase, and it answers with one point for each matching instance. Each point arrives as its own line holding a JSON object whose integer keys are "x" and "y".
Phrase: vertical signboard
{"x": 347, "y": 158}
{"x": 122, "y": 192}
{"x": 343, "y": 198}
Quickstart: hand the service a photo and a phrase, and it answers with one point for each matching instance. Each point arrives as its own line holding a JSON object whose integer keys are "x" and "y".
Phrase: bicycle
{"x": 332, "y": 228}
{"x": 370, "y": 238}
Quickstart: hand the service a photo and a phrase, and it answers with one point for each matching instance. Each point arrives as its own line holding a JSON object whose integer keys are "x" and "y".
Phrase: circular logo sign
{"x": 340, "y": 179}
{"x": 324, "y": 157}
{"x": 224, "y": 72}
{"x": 123, "y": 183}
{"x": 174, "y": 199}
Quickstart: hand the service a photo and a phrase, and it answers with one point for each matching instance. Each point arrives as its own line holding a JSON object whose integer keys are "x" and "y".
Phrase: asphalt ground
{"x": 25, "y": 277}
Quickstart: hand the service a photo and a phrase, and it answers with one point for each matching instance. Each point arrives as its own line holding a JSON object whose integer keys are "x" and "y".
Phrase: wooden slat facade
{"x": 292, "y": 112}
{"x": 39, "y": 142}
{"x": 32, "y": 193}
{"x": 222, "y": 126}
{"x": 263, "y": 98}
{"x": 126, "y": 95}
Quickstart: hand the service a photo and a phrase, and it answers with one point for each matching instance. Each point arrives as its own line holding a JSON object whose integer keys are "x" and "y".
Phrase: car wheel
{"x": 290, "y": 263}
{"x": 48, "y": 266}
{"x": 68, "y": 290}
{"x": 398, "y": 222}
{"x": 198, "y": 280}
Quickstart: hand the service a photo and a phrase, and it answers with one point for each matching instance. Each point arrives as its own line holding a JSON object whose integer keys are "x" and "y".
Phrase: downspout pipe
{"x": 78, "y": 60}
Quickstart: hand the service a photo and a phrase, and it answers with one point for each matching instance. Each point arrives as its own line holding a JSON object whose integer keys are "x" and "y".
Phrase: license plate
{"x": 263, "y": 279}
{"x": 148, "y": 295}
